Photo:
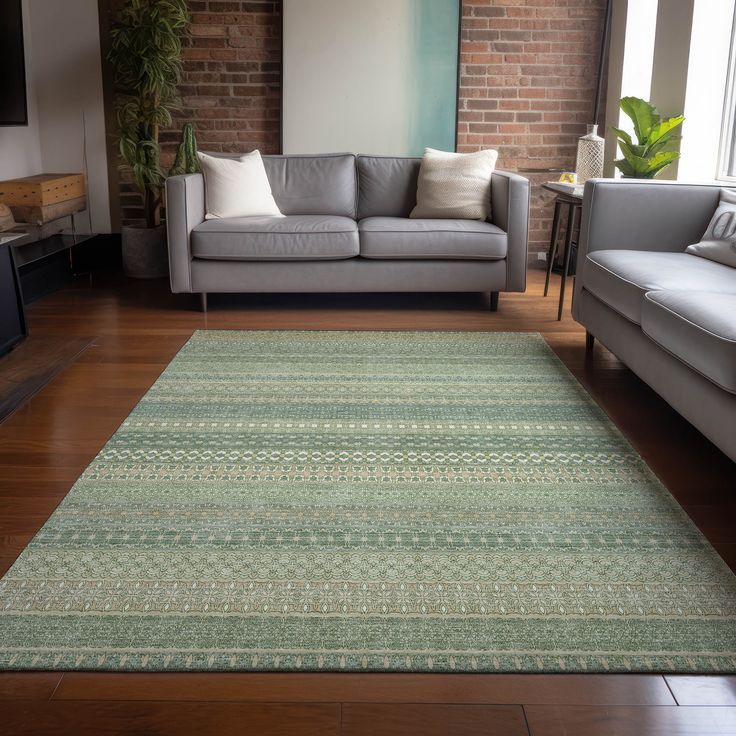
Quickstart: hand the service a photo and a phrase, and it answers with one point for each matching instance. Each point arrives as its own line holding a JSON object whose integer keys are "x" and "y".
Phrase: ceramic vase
{"x": 590, "y": 156}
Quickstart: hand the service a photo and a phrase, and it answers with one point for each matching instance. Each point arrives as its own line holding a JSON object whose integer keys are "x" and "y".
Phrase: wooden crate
{"x": 41, "y": 190}
{"x": 41, "y": 215}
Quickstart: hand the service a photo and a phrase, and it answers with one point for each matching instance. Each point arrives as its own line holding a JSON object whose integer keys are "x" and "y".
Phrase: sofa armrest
{"x": 185, "y": 209}
{"x": 510, "y": 212}
{"x": 620, "y": 214}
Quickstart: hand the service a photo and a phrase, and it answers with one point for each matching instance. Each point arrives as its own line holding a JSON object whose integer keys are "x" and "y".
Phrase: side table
{"x": 565, "y": 196}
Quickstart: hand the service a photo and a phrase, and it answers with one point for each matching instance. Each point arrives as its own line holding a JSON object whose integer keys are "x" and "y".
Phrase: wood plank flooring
{"x": 32, "y": 364}
{"x": 137, "y": 328}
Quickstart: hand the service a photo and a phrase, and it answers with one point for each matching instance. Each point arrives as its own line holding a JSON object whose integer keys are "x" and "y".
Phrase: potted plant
{"x": 146, "y": 43}
{"x": 652, "y": 151}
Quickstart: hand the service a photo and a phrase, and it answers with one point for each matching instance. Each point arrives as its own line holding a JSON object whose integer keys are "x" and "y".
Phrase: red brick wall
{"x": 231, "y": 88}
{"x": 528, "y": 75}
{"x": 527, "y": 87}
{"x": 231, "y": 84}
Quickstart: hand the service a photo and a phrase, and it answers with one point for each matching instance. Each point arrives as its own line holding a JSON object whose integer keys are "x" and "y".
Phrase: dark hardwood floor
{"x": 32, "y": 365}
{"x": 137, "y": 327}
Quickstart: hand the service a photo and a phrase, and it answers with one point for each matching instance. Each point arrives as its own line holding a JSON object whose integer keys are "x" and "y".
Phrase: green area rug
{"x": 368, "y": 501}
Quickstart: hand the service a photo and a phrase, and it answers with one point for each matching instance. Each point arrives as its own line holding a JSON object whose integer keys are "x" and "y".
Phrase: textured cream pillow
{"x": 719, "y": 242}
{"x": 455, "y": 185}
{"x": 237, "y": 187}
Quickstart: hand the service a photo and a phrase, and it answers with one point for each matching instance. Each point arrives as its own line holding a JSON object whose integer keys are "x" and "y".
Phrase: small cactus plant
{"x": 186, "y": 155}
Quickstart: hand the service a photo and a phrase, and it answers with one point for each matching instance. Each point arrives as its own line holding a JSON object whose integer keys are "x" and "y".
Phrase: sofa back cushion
{"x": 311, "y": 184}
{"x": 387, "y": 186}
{"x": 314, "y": 185}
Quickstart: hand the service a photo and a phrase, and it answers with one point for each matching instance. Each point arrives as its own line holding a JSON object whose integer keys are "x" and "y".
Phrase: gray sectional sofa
{"x": 668, "y": 315}
{"x": 347, "y": 228}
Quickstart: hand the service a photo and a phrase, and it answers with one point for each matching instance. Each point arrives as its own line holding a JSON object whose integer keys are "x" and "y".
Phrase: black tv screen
{"x": 13, "y": 105}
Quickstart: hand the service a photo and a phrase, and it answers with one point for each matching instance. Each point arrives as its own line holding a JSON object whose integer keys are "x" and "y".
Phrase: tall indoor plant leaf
{"x": 146, "y": 45}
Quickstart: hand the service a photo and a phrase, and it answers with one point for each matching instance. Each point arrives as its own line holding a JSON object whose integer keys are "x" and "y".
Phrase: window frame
{"x": 727, "y": 147}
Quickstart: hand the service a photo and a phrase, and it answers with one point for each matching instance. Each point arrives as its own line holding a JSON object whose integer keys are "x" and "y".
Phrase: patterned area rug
{"x": 368, "y": 501}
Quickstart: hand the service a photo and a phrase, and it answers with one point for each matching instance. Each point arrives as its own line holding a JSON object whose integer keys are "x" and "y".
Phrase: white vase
{"x": 590, "y": 156}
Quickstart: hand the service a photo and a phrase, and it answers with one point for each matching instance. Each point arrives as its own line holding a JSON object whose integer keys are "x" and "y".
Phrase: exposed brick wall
{"x": 231, "y": 84}
{"x": 231, "y": 87}
{"x": 528, "y": 75}
{"x": 527, "y": 87}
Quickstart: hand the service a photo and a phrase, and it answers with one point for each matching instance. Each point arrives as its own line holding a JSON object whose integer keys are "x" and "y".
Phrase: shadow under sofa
{"x": 346, "y": 229}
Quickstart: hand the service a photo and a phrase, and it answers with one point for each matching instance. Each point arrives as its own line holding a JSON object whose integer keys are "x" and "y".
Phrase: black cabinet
{"x": 12, "y": 318}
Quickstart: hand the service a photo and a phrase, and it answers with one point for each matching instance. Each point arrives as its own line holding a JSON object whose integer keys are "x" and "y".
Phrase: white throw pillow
{"x": 719, "y": 242}
{"x": 455, "y": 185}
{"x": 237, "y": 187}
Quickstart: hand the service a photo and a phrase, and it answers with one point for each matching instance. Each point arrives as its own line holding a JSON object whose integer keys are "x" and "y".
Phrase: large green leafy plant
{"x": 146, "y": 44}
{"x": 652, "y": 151}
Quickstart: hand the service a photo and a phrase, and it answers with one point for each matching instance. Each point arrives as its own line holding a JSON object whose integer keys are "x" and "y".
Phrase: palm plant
{"x": 652, "y": 151}
{"x": 146, "y": 44}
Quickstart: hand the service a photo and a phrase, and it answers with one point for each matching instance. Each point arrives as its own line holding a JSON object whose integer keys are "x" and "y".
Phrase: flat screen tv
{"x": 13, "y": 104}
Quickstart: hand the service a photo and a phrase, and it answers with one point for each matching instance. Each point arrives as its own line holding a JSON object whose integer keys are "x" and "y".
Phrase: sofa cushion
{"x": 291, "y": 238}
{"x": 719, "y": 242}
{"x": 400, "y": 237}
{"x": 310, "y": 184}
{"x": 620, "y": 278}
{"x": 387, "y": 186}
{"x": 698, "y": 327}
{"x": 314, "y": 185}
{"x": 455, "y": 185}
{"x": 236, "y": 187}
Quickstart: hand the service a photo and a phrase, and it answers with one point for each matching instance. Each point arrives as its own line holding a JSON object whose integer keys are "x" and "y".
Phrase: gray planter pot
{"x": 145, "y": 253}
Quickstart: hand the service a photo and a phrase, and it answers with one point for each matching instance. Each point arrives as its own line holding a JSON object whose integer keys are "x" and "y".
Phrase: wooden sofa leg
{"x": 494, "y": 301}
{"x": 203, "y": 301}
{"x": 589, "y": 341}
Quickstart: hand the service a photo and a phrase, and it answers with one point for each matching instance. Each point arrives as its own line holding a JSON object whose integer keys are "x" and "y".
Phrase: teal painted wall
{"x": 433, "y": 75}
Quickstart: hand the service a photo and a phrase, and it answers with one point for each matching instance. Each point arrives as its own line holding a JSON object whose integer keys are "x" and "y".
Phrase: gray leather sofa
{"x": 668, "y": 315}
{"x": 346, "y": 228}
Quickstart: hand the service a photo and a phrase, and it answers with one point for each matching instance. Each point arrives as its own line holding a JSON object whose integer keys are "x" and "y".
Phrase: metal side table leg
{"x": 552, "y": 253}
{"x": 571, "y": 209}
